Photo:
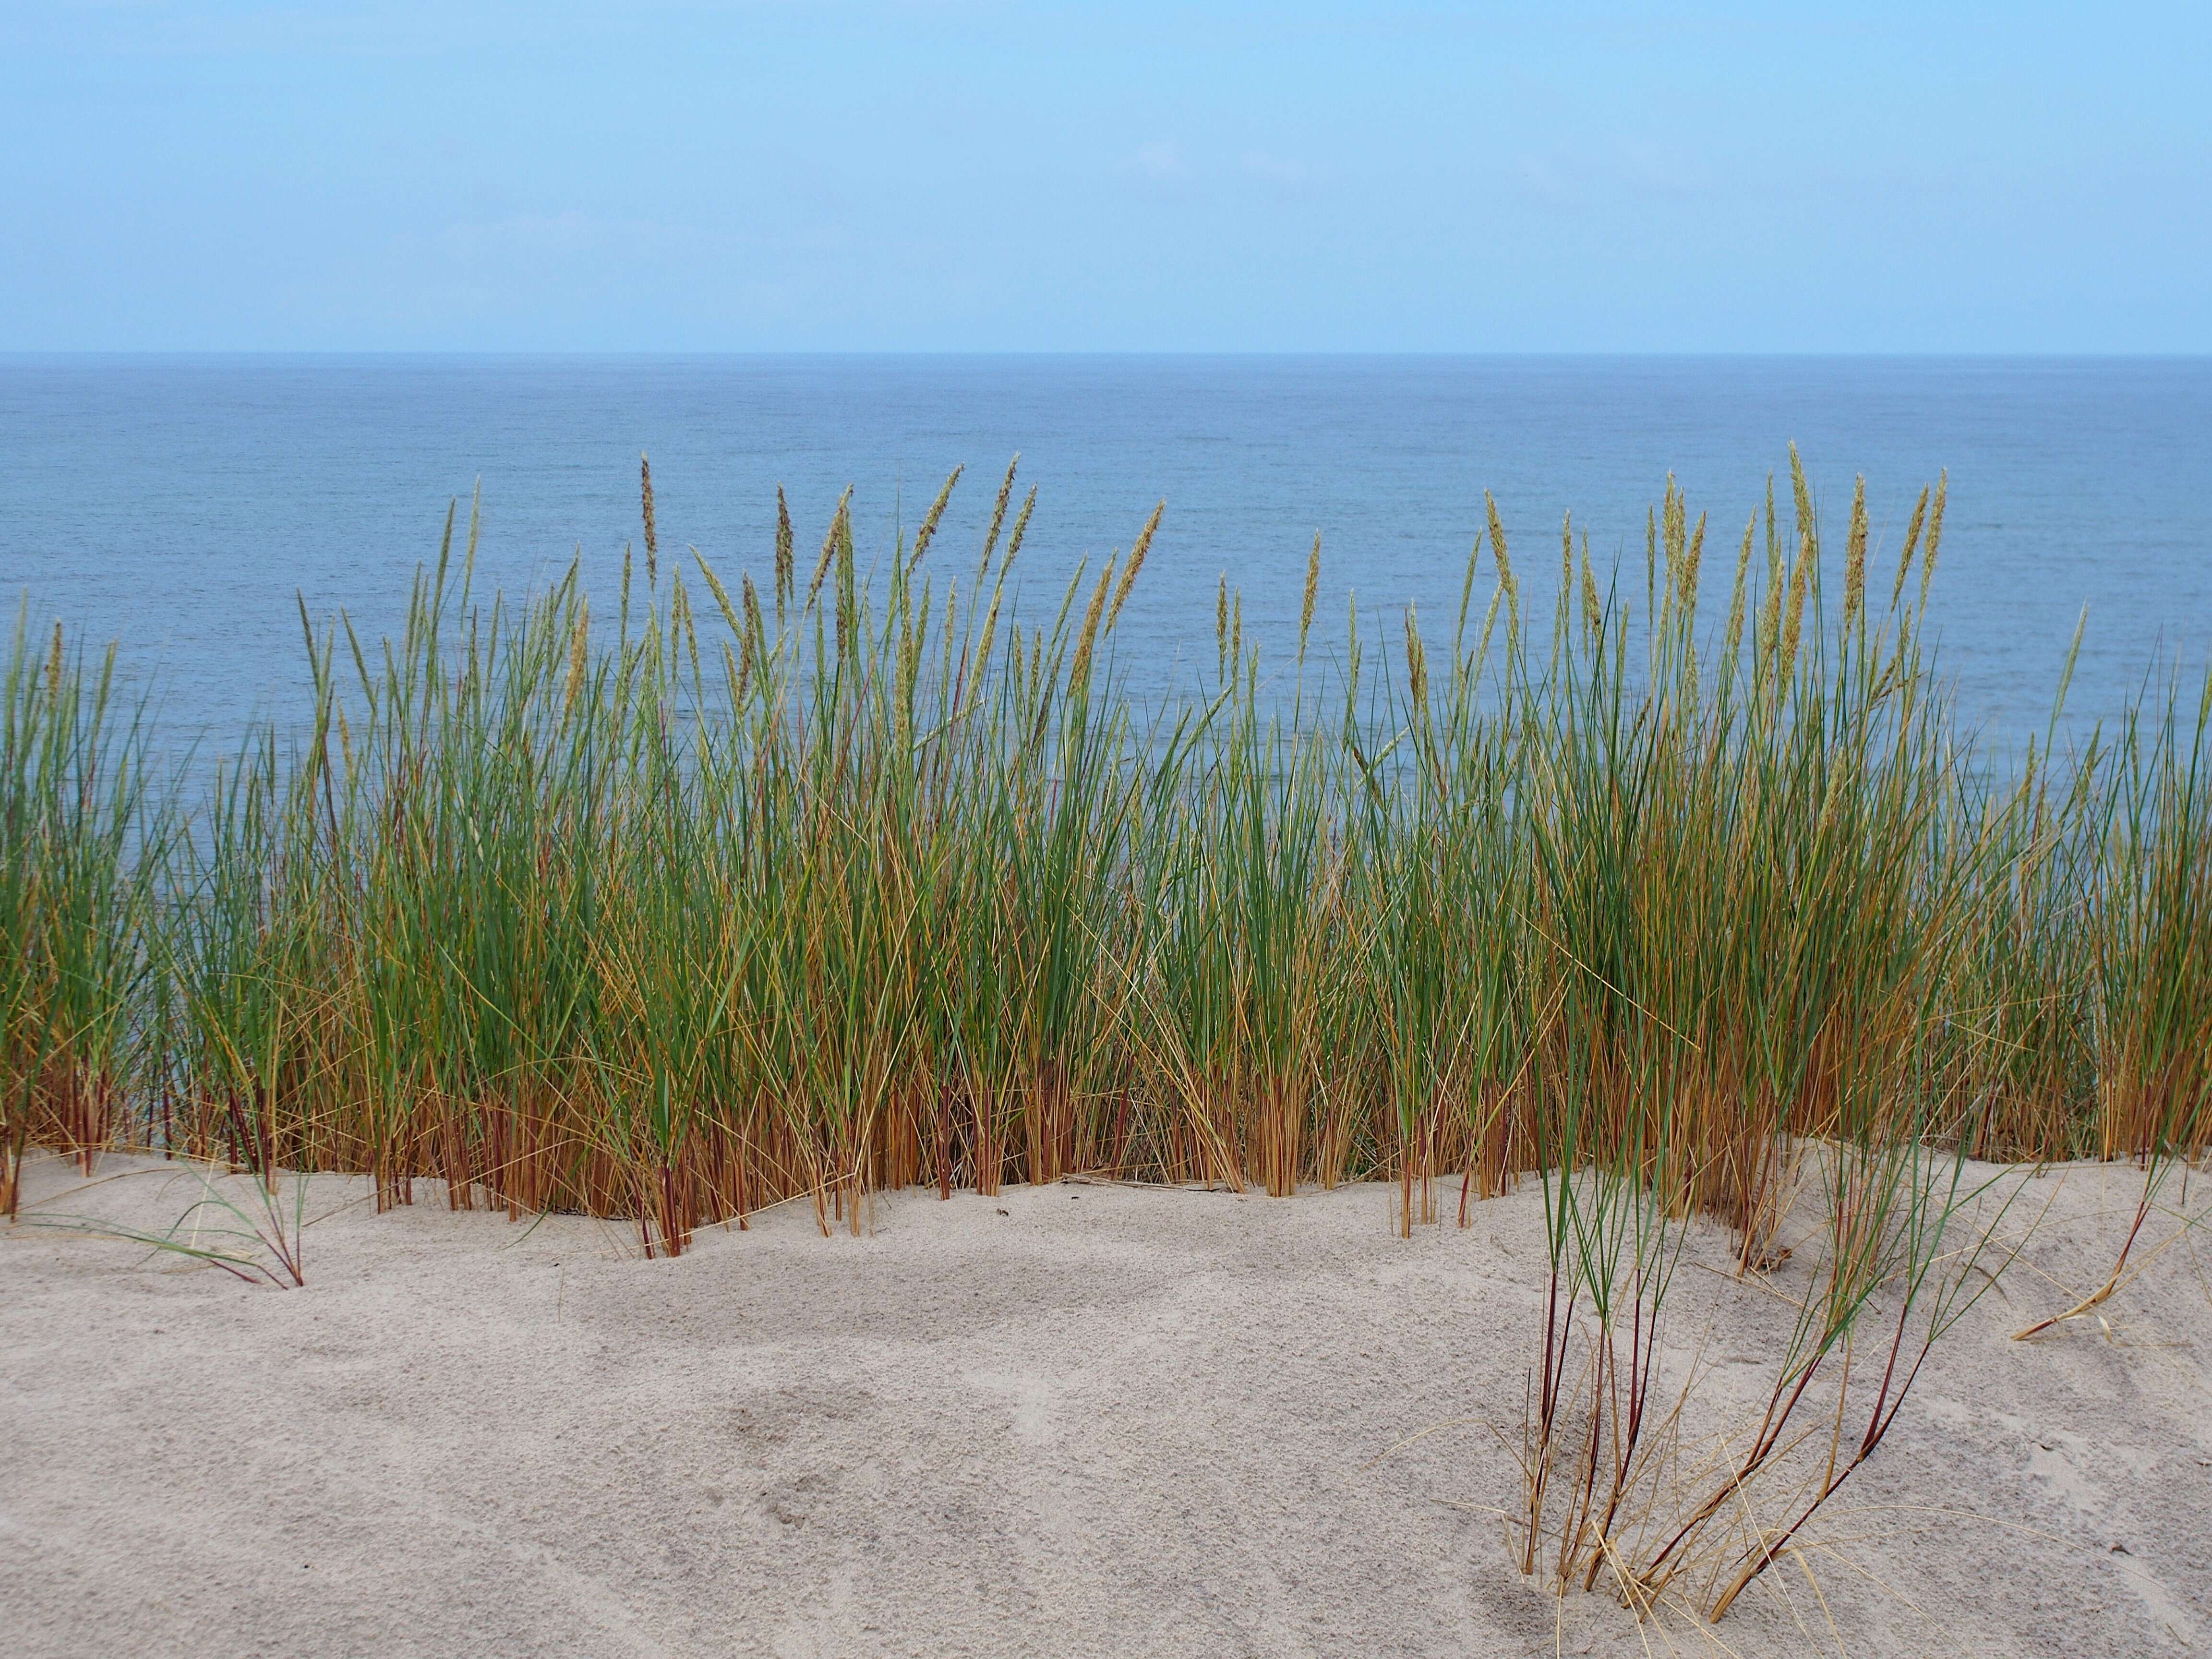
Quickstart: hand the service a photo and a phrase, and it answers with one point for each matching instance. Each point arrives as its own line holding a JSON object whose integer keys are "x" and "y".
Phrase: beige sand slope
{"x": 1078, "y": 1419}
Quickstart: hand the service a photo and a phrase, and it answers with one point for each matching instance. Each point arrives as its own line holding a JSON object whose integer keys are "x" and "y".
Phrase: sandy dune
{"x": 1078, "y": 1420}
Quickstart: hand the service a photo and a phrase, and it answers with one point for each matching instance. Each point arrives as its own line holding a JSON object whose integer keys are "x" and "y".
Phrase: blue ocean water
{"x": 179, "y": 503}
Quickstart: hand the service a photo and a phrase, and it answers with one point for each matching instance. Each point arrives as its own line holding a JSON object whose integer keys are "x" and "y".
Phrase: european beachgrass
{"x": 734, "y": 891}
{"x": 83, "y": 850}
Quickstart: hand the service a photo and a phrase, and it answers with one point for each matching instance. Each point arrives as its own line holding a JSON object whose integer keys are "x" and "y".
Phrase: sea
{"x": 189, "y": 507}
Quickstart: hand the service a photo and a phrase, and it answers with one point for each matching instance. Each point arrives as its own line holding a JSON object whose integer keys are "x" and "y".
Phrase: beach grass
{"x": 724, "y": 893}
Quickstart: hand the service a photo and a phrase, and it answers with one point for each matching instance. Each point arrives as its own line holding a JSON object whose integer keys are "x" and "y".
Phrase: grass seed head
{"x": 1136, "y": 563}
{"x": 1021, "y": 529}
{"x": 1854, "y": 551}
{"x": 1312, "y": 588}
{"x": 998, "y": 513}
{"x": 923, "y": 537}
{"x": 786, "y": 574}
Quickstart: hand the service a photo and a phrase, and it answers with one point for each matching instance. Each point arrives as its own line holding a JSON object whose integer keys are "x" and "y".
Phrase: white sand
{"x": 1079, "y": 1419}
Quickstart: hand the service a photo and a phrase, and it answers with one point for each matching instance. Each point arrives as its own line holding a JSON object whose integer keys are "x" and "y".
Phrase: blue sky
{"x": 393, "y": 175}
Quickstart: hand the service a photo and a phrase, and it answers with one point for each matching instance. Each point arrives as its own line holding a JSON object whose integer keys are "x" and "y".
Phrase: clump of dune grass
{"x": 1754, "y": 875}
{"x": 83, "y": 847}
{"x": 1620, "y": 1486}
{"x": 257, "y": 1236}
{"x": 856, "y": 873}
{"x": 2152, "y": 978}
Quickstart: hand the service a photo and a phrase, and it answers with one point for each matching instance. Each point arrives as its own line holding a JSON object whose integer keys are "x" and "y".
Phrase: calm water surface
{"x": 178, "y": 503}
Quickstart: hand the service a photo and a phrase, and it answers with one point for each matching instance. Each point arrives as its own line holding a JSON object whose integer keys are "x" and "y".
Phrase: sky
{"x": 391, "y": 175}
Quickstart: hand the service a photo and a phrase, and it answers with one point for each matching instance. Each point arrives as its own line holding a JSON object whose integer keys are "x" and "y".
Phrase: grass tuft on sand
{"x": 724, "y": 898}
